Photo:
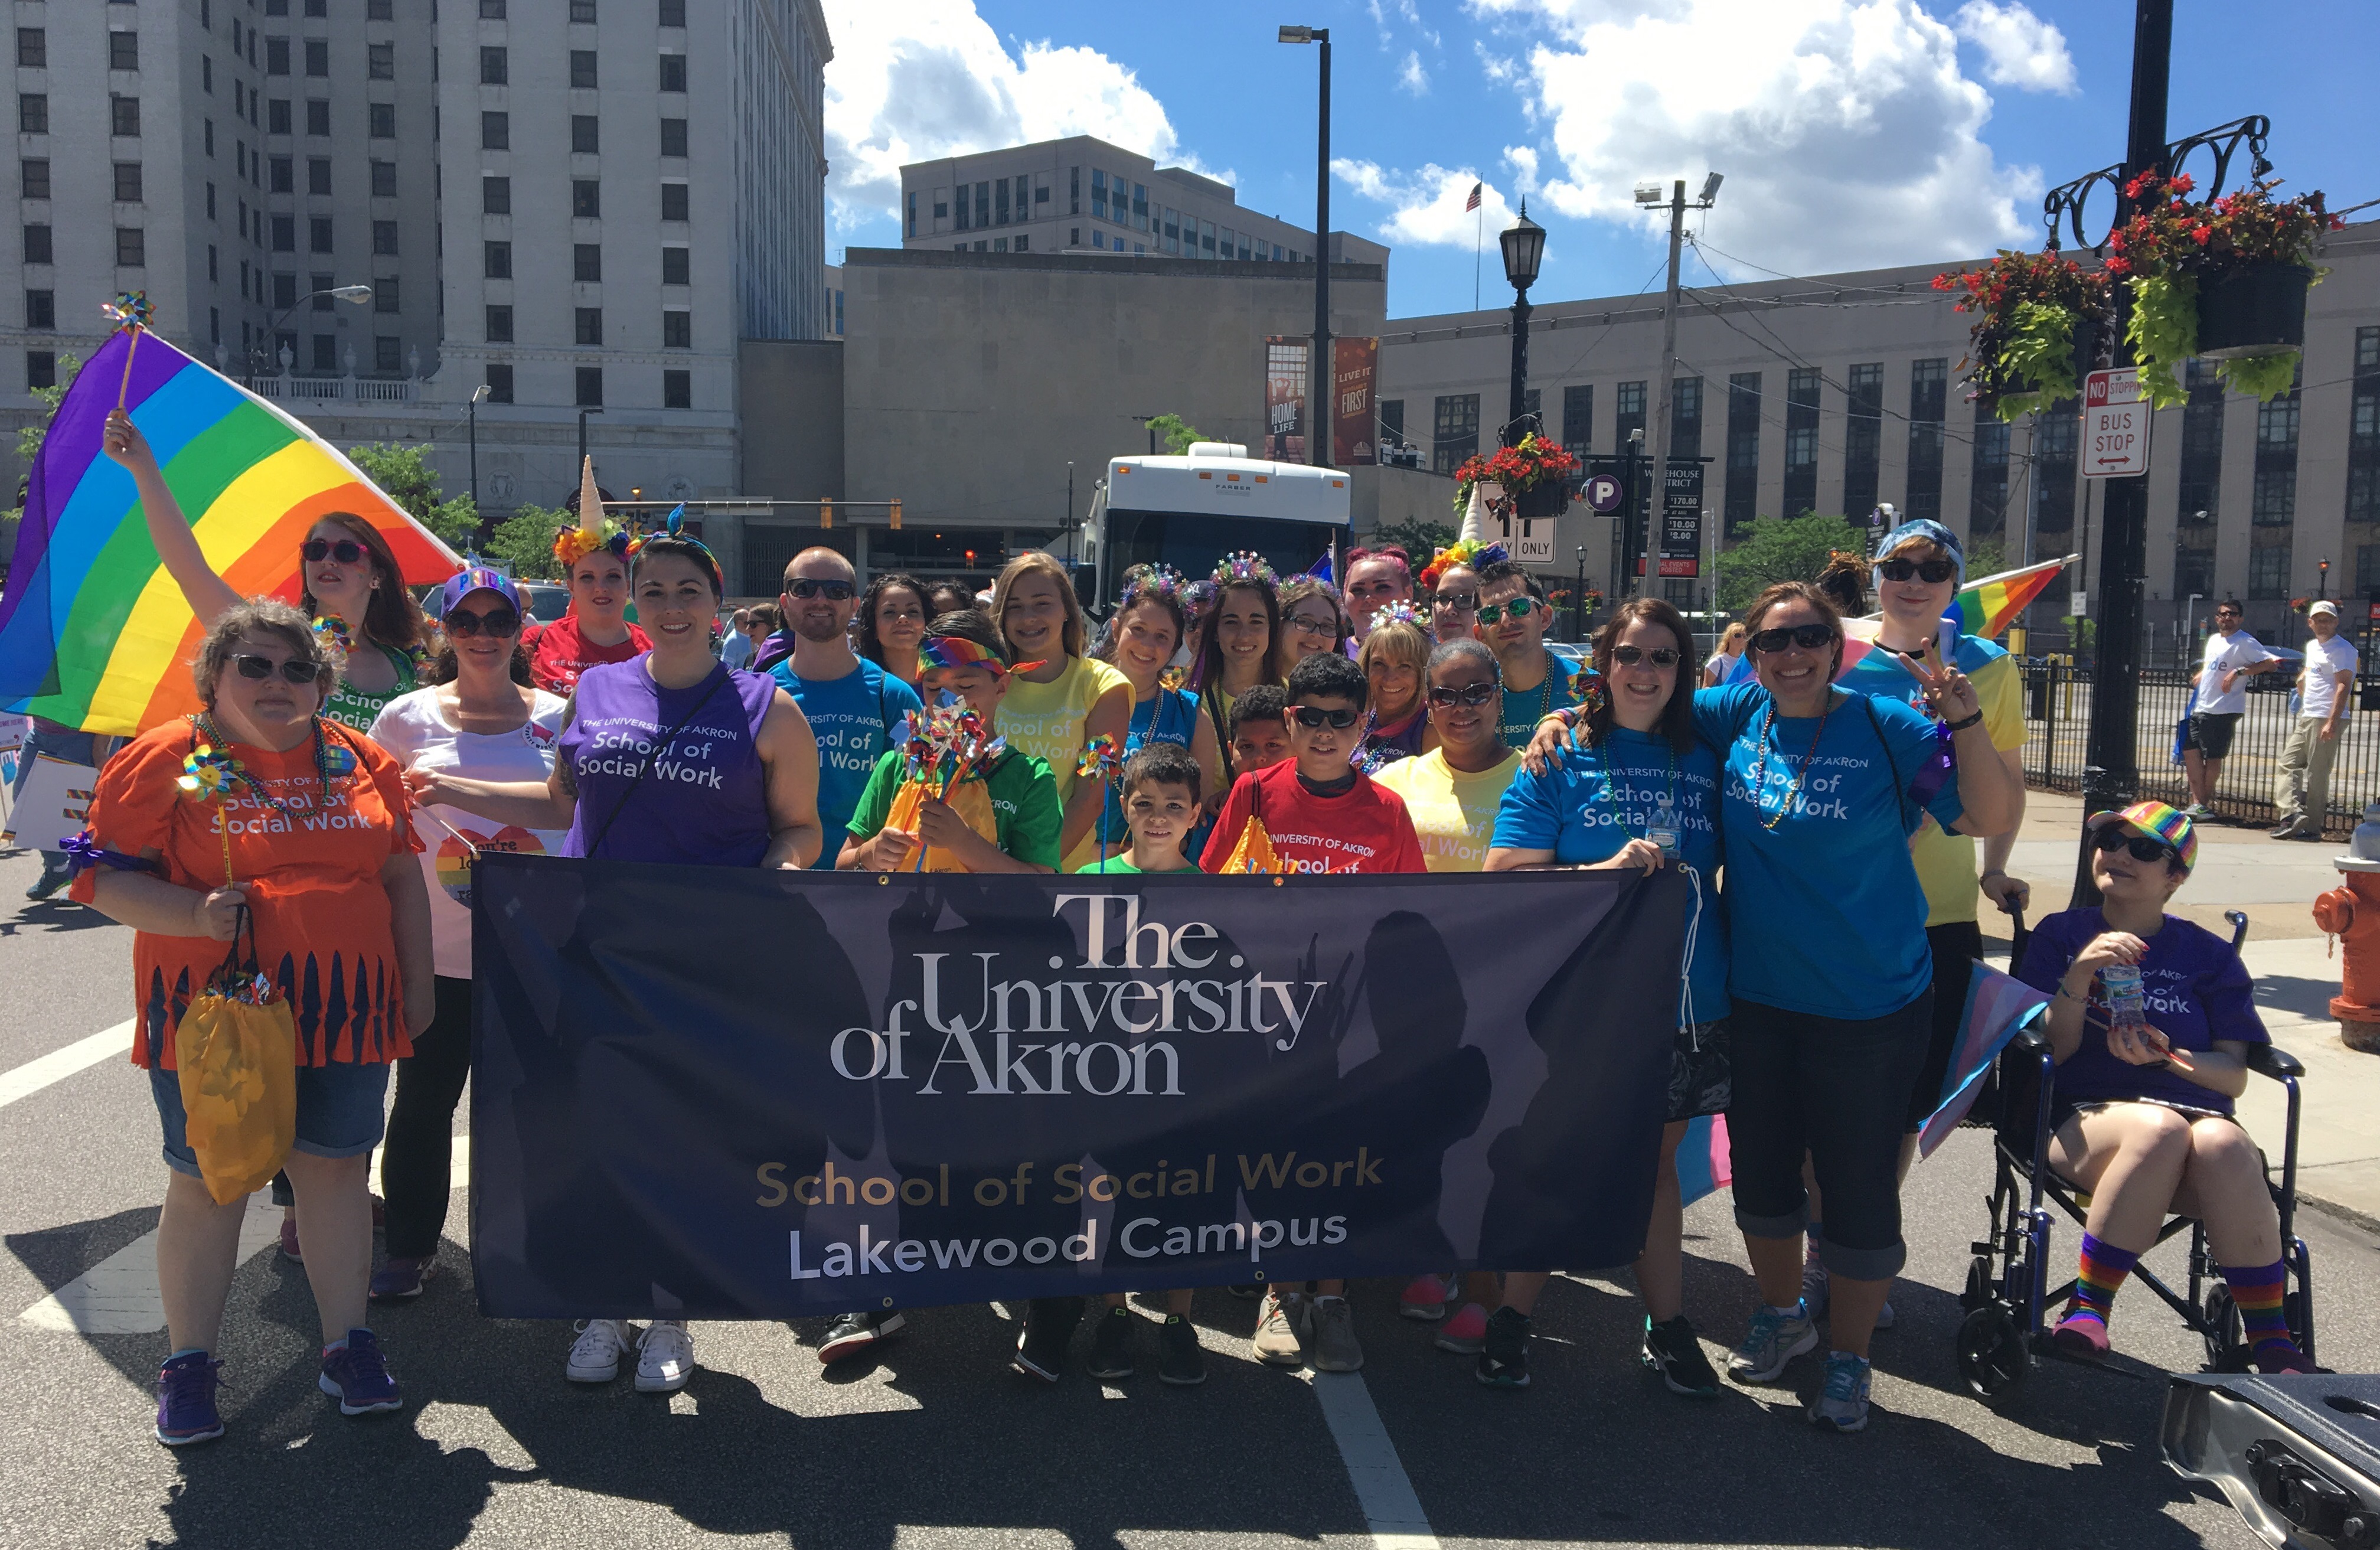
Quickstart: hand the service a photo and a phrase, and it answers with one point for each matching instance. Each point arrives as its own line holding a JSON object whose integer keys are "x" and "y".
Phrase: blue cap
{"x": 477, "y": 578}
{"x": 1933, "y": 532}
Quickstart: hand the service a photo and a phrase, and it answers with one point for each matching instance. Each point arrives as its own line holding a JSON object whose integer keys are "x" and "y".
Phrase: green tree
{"x": 1781, "y": 549}
{"x": 1178, "y": 433}
{"x": 405, "y": 476}
{"x": 524, "y": 543}
{"x": 1986, "y": 556}
{"x": 1419, "y": 537}
{"x": 28, "y": 437}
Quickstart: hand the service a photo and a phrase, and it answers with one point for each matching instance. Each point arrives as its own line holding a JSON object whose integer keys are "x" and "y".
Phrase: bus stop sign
{"x": 2115, "y": 425}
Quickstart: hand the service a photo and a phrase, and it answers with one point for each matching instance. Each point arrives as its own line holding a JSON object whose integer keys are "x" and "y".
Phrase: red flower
{"x": 2117, "y": 266}
{"x": 2203, "y": 234}
{"x": 2183, "y": 184}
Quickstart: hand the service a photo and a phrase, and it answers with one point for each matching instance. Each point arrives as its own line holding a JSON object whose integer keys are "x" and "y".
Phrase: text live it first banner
{"x": 723, "y": 1093}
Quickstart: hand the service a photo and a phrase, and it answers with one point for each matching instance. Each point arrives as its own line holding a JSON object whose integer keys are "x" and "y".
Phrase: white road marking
{"x": 119, "y": 1295}
{"x": 1392, "y": 1511}
{"x": 59, "y": 1064}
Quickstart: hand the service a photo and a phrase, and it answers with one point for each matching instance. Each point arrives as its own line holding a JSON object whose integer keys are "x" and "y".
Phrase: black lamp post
{"x": 477, "y": 394}
{"x": 1525, "y": 249}
{"x": 1319, "y": 374}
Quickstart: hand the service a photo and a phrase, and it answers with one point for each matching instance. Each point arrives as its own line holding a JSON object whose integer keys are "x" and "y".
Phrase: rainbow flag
{"x": 94, "y": 633}
{"x": 1702, "y": 1158}
{"x": 1990, "y": 606}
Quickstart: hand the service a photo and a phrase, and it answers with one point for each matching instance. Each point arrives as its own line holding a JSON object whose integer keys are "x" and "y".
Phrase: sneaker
{"x": 2080, "y": 1335}
{"x": 852, "y": 1334}
{"x": 2311, "y": 837}
{"x": 1111, "y": 1343}
{"x": 1672, "y": 1350}
{"x": 2283, "y": 1356}
{"x": 2197, "y": 811}
{"x": 401, "y": 1279}
{"x": 1277, "y": 1325}
{"x": 2287, "y": 831}
{"x": 1814, "y": 1286}
{"x": 595, "y": 1355}
{"x": 358, "y": 1378}
{"x": 185, "y": 1400}
{"x": 1049, "y": 1329}
{"x": 1179, "y": 1360}
{"x": 380, "y": 1213}
{"x": 1841, "y": 1404}
{"x": 1331, "y": 1334}
{"x": 1505, "y": 1350}
{"x": 1425, "y": 1298}
{"x": 289, "y": 1249}
{"x": 1774, "y": 1339}
{"x": 43, "y": 886}
{"x": 665, "y": 1359}
{"x": 1466, "y": 1333}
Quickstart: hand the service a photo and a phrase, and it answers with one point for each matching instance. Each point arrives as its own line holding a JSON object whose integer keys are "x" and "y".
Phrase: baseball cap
{"x": 2323, "y": 606}
{"x": 2156, "y": 818}
{"x": 477, "y": 578}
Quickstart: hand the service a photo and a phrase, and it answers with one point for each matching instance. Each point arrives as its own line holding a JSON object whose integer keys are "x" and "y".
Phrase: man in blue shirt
{"x": 1512, "y": 617}
{"x": 855, "y": 707}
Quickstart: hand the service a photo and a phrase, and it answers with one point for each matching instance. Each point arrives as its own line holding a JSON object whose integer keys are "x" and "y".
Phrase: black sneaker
{"x": 1179, "y": 1360}
{"x": 1505, "y": 1361}
{"x": 854, "y": 1334}
{"x": 1672, "y": 1350}
{"x": 1111, "y": 1343}
{"x": 1048, "y": 1328}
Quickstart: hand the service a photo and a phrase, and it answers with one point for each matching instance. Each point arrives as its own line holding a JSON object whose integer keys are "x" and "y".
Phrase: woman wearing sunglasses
{"x": 1450, "y": 587}
{"x": 1640, "y": 790}
{"x": 346, "y": 572}
{"x": 482, "y": 719}
{"x": 2141, "y": 1109}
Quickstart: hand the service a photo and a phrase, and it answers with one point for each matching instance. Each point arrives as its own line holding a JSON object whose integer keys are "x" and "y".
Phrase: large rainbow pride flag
{"x": 94, "y": 633}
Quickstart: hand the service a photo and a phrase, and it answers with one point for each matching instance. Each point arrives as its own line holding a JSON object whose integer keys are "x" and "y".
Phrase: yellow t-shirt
{"x": 1046, "y": 721}
{"x": 1453, "y": 814}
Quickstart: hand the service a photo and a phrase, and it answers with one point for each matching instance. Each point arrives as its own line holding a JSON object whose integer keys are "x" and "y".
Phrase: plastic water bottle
{"x": 2125, "y": 1006}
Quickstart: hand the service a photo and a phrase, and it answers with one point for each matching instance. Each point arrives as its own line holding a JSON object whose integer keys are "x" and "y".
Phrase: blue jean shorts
{"x": 340, "y": 1112}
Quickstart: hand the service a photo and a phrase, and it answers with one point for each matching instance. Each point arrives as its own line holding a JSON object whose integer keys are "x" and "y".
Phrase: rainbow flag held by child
{"x": 94, "y": 632}
{"x": 1997, "y": 1005}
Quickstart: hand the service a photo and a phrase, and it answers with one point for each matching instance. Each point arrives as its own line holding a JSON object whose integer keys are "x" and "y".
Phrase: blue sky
{"x": 1853, "y": 132}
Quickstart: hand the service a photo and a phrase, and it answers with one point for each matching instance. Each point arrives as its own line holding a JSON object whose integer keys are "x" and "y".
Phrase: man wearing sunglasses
{"x": 855, "y": 707}
{"x": 2232, "y": 655}
{"x": 1512, "y": 619}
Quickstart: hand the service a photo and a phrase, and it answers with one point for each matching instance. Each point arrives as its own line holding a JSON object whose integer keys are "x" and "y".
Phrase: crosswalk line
{"x": 24, "y": 1080}
{"x": 119, "y": 1295}
{"x": 1392, "y": 1511}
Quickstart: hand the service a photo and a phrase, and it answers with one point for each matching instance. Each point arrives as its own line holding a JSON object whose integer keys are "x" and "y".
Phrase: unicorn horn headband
{"x": 594, "y": 530}
{"x": 590, "y": 500}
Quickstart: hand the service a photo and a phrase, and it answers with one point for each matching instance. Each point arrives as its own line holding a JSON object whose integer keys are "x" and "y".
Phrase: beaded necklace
{"x": 1760, "y": 769}
{"x": 332, "y": 762}
{"x": 1544, "y": 692}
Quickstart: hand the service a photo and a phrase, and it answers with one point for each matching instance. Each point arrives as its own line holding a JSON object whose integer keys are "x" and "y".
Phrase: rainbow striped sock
{"x": 2102, "y": 1275}
{"x": 2257, "y": 1292}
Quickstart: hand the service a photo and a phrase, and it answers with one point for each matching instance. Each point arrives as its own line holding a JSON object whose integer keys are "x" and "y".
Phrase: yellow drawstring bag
{"x": 237, "y": 1055}
{"x": 1254, "y": 853}
{"x": 971, "y": 801}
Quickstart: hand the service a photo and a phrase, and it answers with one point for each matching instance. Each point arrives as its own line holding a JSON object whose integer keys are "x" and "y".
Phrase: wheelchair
{"x": 2008, "y": 1296}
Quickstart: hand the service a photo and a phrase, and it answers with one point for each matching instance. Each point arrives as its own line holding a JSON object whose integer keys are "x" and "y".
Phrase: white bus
{"x": 1190, "y": 511}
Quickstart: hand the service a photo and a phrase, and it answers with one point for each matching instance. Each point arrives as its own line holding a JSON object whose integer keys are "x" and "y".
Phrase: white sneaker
{"x": 595, "y": 1355}
{"x": 665, "y": 1359}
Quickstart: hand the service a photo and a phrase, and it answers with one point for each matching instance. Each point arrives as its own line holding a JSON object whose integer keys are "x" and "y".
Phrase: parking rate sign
{"x": 2115, "y": 425}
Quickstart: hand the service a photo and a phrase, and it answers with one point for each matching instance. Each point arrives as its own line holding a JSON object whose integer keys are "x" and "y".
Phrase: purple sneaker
{"x": 402, "y": 1278}
{"x": 185, "y": 1400}
{"x": 356, "y": 1378}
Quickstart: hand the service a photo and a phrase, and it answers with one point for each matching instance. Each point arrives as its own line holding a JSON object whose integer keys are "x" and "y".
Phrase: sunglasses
{"x": 1460, "y": 601}
{"x": 1809, "y": 636}
{"x": 836, "y": 591}
{"x": 1316, "y": 627}
{"x": 1629, "y": 656}
{"x": 501, "y": 623}
{"x": 346, "y": 551}
{"x": 1931, "y": 572}
{"x": 1471, "y": 695}
{"x": 298, "y": 669}
{"x": 2142, "y": 847}
{"x": 1313, "y": 716}
{"x": 1519, "y": 609}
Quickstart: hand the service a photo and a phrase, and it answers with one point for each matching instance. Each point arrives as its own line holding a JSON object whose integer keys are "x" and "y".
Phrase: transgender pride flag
{"x": 1997, "y": 1006}
{"x": 1702, "y": 1158}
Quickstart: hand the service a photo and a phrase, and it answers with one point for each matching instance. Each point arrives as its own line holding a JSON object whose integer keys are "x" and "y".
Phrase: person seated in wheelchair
{"x": 2141, "y": 1116}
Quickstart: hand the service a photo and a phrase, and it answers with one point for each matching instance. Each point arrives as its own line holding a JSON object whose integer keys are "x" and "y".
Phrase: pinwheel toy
{"x": 1101, "y": 760}
{"x": 129, "y": 312}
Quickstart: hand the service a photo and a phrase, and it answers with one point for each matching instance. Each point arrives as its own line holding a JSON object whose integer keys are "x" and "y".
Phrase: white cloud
{"x": 2020, "y": 49}
{"x": 1413, "y": 77}
{"x": 1523, "y": 160}
{"x": 1500, "y": 70}
{"x": 1427, "y": 206}
{"x": 1847, "y": 134}
{"x": 928, "y": 79}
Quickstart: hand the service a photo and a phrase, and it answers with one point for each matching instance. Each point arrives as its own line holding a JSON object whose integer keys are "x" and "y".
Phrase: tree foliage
{"x": 524, "y": 543}
{"x": 1781, "y": 549}
{"x": 405, "y": 475}
{"x": 1178, "y": 433}
{"x": 28, "y": 437}
{"x": 1418, "y": 536}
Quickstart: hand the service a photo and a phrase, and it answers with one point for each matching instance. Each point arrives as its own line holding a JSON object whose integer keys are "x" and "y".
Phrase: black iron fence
{"x": 2057, "y": 724}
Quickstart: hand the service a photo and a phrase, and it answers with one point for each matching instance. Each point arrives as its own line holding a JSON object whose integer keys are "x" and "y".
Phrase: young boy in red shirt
{"x": 1322, "y": 813}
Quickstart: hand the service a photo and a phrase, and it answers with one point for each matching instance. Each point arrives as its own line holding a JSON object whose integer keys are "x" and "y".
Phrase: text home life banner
{"x": 732, "y": 1093}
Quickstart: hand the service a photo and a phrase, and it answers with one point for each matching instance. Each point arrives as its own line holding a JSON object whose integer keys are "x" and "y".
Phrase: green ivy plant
{"x": 2164, "y": 334}
{"x": 2038, "y": 348}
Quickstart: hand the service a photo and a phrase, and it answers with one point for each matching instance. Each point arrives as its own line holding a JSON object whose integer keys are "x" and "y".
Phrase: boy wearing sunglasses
{"x": 855, "y": 707}
{"x": 1324, "y": 815}
{"x": 1512, "y": 619}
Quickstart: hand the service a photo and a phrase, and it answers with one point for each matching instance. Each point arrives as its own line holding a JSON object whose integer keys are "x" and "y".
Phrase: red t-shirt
{"x": 1367, "y": 829}
{"x": 558, "y": 653}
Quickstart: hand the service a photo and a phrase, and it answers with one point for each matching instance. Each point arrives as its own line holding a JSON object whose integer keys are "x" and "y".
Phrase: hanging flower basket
{"x": 2041, "y": 322}
{"x": 1544, "y": 499}
{"x": 1535, "y": 467}
{"x": 2255, "y": 311}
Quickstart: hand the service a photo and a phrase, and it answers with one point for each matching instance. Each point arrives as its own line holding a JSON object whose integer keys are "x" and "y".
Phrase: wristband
{"x": 1963, "y": 724}
{"x": 1567, "y": 716}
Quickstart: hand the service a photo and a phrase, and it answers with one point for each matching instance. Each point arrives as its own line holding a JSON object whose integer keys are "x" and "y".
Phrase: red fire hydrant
{"x": 2350, "y": 914}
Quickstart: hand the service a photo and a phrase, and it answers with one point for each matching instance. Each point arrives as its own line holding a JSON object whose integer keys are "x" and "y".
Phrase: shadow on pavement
{"x": 56, "y": 1256}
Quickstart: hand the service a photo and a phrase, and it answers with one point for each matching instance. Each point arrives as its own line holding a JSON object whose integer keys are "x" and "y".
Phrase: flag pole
{"x": 1479, "y": 235}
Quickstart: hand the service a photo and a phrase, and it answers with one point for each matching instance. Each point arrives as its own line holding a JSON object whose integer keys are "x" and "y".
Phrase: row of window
{"x": 677, "y": 326}
{"x": 33, "y": 115}
{"x": 496, "y": 69}
{"x": 672, "y": 12}
{"x": 585, "y": 133}
{"x": 1007, "y": 201}
{"x": 34, "y": 49}
{"x": 585, "y": 198}
{"x": 586, "y": 262}
{"x": 677, "y": 386}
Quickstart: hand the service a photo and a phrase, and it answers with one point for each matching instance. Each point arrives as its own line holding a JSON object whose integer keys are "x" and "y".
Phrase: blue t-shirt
{"x": 1524, "y": 708}
{"x": 1600, "y": 799}
{"x": 2194, "y": 990}
{"x": 856, "y": 719}
{"x": 1168, "y": 716}
{"x": 1834, "y": 918}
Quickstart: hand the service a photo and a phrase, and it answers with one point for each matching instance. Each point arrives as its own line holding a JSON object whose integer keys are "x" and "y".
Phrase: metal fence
{"x": 2057, "y": 724}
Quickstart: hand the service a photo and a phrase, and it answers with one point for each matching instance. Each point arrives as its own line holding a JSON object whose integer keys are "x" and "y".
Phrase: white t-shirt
{"x": 1721, "y": 663}
{"x": 2225, "y": 653}
{"x": 2325, "y": 660}
{"x": 414, "y": 731}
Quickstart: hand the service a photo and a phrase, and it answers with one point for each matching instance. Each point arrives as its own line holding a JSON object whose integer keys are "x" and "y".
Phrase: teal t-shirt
{"x": 1524, "y": 708}
{"x": 1827, "y": 914}
{"x": 856, "y": 719}
{"x": 1025, "y": 813}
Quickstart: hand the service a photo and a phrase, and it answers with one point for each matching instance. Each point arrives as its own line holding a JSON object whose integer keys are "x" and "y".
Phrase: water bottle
{"x": 2122, "y": 983}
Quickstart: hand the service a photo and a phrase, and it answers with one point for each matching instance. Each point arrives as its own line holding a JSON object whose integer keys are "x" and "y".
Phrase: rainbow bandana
{"x": 957, "y": 650}
{"x": 674, "y": 526}
{"x": 2160, "y": 820}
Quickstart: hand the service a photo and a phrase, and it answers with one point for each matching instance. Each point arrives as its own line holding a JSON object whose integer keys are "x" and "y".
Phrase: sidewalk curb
{"x": 2345, "y": 1214}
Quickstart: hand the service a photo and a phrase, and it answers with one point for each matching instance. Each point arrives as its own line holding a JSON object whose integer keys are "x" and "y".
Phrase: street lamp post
{"x": 1578, "y": 599}
{"x": 358, "y": 294}
{"x": 1525, "y": 250}
{"x": 584, "y": 411}
{"x": 477, "y": 394}
{"x": 1317, "y": 391}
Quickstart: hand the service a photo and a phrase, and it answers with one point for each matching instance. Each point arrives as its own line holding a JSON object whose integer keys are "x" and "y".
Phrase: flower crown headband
{"x": 1157, "y": 580}
{"x": 1398, "y": 612}
{"x": 1467, "y": 552}
{"x": 575, "y": 543}
{"x": 1245, "y": 565}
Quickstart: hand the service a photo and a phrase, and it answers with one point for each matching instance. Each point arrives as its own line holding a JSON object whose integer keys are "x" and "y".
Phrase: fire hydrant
{"x": 2350, "y": 914}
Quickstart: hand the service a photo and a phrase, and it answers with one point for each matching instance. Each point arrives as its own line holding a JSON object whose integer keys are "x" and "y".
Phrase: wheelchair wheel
{"x": 1991, "y": 1352}
{"x": 2226, "y": 1333}
{"x": 1978, "y": 1291}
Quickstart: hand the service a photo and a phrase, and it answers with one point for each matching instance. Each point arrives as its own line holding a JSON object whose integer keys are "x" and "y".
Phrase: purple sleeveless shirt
{"x": 702, "y": 802}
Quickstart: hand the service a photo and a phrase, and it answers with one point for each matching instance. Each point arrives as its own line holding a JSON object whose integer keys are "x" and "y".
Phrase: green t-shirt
{"x": 1124, "y": 863}
{"x": 1025, "y": 812}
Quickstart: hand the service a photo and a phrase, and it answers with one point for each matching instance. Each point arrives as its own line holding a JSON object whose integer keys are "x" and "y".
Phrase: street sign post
{"x": 2115, "y": 424}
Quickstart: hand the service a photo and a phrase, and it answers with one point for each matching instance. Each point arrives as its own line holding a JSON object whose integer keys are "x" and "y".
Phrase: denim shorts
{"x": 339, "y": 1111}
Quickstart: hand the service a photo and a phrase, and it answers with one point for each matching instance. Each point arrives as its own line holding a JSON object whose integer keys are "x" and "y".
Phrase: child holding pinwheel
{"x": 981, "y": 805}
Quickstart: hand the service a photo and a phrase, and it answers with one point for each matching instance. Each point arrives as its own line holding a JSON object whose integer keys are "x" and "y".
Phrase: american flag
{"x": 1473, "y": 203}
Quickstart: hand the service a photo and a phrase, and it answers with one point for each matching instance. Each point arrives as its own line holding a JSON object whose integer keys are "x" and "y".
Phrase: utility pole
{"x": 1679, "y": 204}
{"x": 1320, "y": 384}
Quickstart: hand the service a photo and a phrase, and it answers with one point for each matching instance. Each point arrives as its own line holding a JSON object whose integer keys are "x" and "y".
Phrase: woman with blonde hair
{"x": 1060, "y": 697}
{"x": 1723, "y": 659}
{"x": 1395, "y": 658}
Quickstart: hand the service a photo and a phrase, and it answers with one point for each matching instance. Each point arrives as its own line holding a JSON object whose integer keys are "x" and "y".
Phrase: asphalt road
{"x": 939, "y": 1444}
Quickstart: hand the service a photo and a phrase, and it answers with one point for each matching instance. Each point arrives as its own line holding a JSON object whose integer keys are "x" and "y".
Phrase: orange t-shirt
{"x": 313, "y": 883}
